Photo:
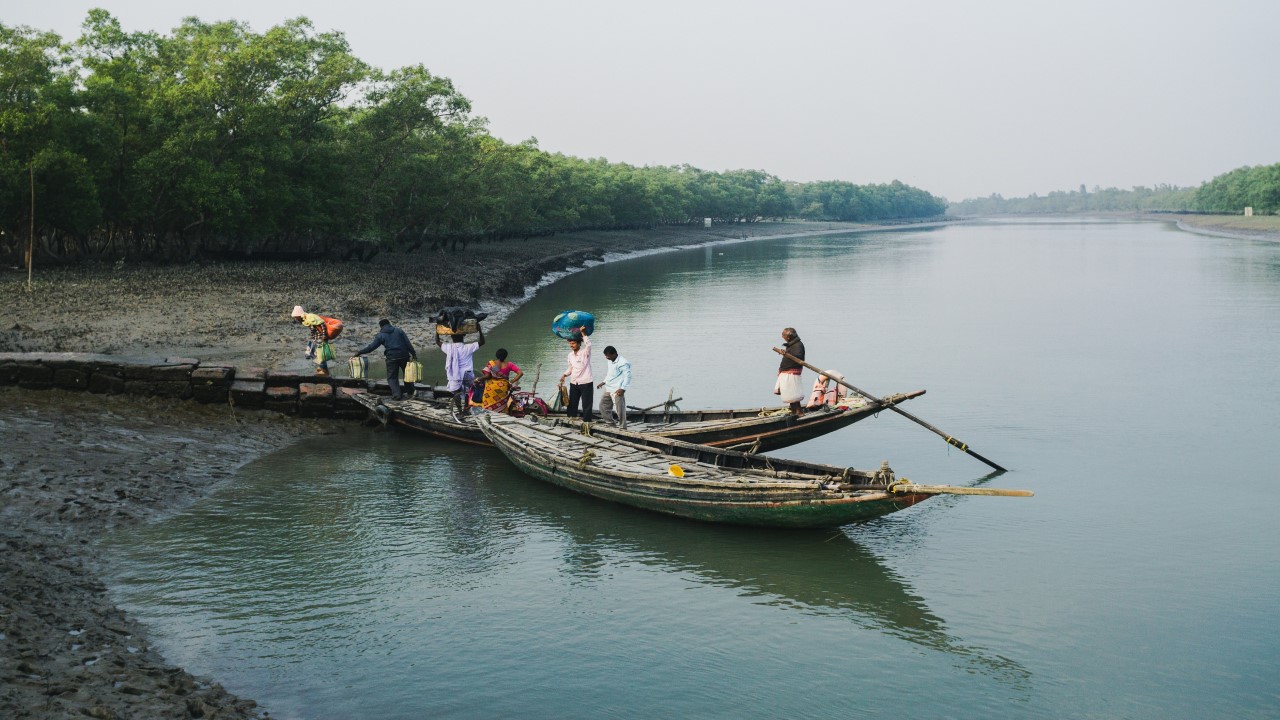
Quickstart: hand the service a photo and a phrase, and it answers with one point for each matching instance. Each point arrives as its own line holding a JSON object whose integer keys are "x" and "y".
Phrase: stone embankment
{"x": 182, "y": 378}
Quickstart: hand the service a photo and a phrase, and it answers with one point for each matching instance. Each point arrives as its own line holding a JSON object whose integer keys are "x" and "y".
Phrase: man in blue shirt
{"x": 617, "y": 378}
{"x": 396, "y": 346}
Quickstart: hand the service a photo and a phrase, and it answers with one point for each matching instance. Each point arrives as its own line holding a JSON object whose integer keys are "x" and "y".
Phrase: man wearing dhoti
{"x": 788, "y": 382}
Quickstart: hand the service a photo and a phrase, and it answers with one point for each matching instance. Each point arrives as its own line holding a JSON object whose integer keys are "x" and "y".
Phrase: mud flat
{"x": 74, "y": 465}
{"x": 1256, "y": 227}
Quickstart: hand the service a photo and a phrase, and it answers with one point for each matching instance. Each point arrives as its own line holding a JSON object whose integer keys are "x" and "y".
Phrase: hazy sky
{"x": 960, "y": 98}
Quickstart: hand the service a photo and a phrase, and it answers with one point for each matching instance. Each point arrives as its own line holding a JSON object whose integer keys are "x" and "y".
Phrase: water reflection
{"x": 820, "y": 572}
{"x": 339, "y": 549}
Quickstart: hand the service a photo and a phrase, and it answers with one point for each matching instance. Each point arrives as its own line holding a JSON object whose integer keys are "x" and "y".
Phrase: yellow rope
{"x": 587, "y": 457}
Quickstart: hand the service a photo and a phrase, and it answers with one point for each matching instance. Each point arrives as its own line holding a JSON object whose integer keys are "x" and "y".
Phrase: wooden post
{"x": 31, "y": 237}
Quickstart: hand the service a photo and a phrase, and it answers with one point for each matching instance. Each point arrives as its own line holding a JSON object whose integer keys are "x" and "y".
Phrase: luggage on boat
{"x": 359, "y": 367}
{"x": 566, "y": 324}
{"x": 470, "y": 325}
{"x": 456, "y": 320}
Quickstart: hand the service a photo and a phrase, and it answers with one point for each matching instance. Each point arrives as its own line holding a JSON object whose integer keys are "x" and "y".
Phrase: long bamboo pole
{"x": 910, "y": 488}
{"x": 962, "y": 447}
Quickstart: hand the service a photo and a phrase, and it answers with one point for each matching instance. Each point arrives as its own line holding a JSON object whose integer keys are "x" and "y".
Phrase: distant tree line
{"x": 214, "y": 140}
{"x": 1256, "y": 187}
{"x": 1229, "y": 193}
{"x": 1159, "y": 198}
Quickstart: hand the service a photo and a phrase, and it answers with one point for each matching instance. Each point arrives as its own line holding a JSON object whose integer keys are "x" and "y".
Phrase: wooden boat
{"x": 752, "y": 429}
{"x": 702, "y": 482}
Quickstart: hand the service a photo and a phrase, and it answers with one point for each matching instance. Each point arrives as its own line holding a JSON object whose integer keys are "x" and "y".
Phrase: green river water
{"x": 1125, "y": 372}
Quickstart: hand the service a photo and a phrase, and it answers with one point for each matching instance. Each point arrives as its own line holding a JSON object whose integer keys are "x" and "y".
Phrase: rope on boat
{"x": 587, "y": 456}
{"x": 883, "y": 476}
{"x": 669, "y": 405}
{"x": 766, "y": 412}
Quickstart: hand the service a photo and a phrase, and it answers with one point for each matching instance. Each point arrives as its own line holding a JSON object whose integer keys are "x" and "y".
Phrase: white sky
{"x": 960, "y": 98}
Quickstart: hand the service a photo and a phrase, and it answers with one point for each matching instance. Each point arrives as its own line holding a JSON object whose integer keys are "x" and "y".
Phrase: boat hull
{"x": 752, "y": 430}
{"x": 738, "y": 497}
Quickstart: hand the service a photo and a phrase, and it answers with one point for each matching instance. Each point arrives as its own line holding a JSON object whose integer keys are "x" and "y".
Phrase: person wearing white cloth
{"x": 459, "y": 370}
{"x": 788, "y": 383}
{"x": 617, "y": 378}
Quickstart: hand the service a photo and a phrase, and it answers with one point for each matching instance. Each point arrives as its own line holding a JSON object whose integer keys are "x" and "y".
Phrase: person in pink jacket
{"x": 579, "y": 376}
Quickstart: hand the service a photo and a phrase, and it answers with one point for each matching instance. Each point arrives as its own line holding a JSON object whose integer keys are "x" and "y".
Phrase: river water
{"x": 1125, "y": 372}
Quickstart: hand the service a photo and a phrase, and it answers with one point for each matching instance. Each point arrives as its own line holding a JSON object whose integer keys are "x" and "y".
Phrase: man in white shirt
{"x": 579, "y": 375}
{"x": 617, "y": 378}
{"x": 459, "y": 369}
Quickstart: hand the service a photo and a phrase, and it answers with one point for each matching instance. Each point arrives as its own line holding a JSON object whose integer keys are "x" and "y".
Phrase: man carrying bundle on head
{"x": 459, "y": 366}
{"x": 788, "y": 383}
{"x": 579, "y": 375}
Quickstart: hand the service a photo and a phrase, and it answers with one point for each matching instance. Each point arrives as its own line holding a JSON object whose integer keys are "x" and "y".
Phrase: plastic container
{"x": 359, "y": 367}
{"x": 413, "y": 372}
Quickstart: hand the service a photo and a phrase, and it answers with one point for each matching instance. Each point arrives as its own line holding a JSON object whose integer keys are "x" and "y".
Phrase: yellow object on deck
{"x": 413, "y": 372}
{"x": 359, "y": 367}
{"x": 675, "y": 470}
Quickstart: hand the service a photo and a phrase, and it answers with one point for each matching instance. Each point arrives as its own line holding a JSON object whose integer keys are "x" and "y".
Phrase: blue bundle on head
{"x": 567, "y": 324}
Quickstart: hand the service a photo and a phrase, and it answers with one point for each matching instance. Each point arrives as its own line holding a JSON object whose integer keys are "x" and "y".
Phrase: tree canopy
{"x": 213, "y": 139}
{"x": 1229, "y": 194}
{"x": 1256, "y": 187}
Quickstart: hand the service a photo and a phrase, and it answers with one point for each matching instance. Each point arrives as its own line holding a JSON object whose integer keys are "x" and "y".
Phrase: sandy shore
{"x": 74, "y": 465}
{"x": 1257, "y": 227}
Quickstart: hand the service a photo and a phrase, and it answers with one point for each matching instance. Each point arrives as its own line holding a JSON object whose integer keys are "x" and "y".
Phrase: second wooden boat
{"x": 705, "y": 483}
{"x": 751, "y": 429}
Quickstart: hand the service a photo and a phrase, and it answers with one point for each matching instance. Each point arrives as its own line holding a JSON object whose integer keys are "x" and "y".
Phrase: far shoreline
{"x": 1236, "y": 227}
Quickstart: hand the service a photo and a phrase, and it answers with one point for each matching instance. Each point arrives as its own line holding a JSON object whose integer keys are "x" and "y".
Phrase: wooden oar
{"x": 912, "y": 488}
{"x": 962, "y": 447}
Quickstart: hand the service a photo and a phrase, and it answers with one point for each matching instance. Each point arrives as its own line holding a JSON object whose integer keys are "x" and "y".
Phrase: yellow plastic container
{"x": 359, "y": 367}
{"x": 413, "y": 372}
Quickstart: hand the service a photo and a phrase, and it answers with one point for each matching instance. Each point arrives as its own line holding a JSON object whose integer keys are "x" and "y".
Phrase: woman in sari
{"x": 499, "y": 377}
